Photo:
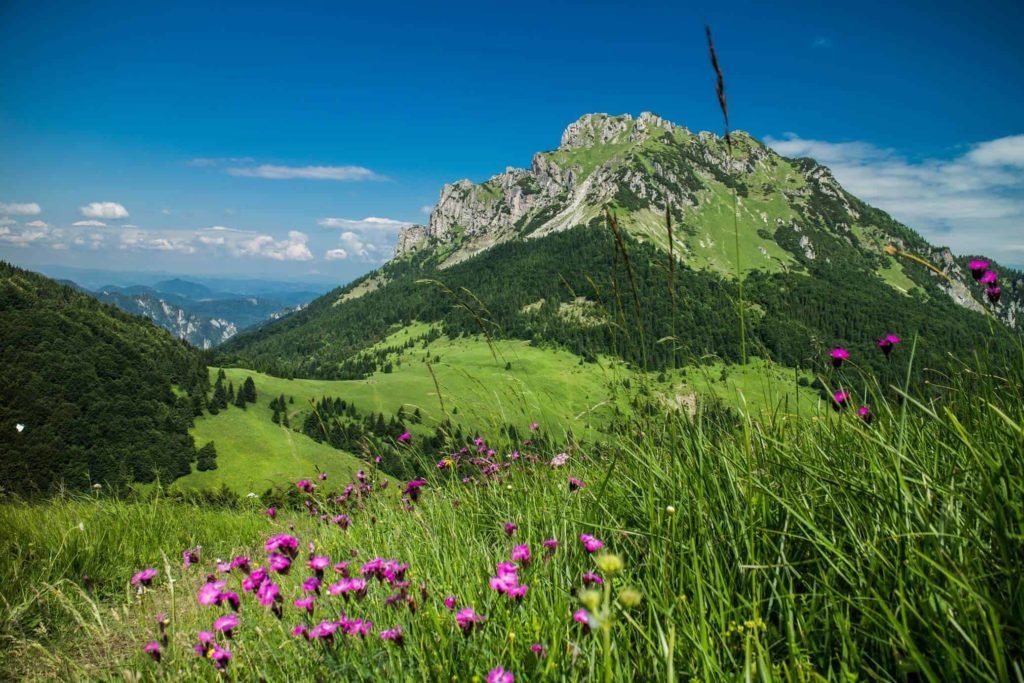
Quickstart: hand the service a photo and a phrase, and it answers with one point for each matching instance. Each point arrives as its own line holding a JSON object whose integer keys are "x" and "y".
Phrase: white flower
{"x": 20, "y": 427}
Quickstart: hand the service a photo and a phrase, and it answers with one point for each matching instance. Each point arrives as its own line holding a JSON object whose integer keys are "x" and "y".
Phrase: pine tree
{"x": 207, "y": 458}
{"x": 249, "y": 390}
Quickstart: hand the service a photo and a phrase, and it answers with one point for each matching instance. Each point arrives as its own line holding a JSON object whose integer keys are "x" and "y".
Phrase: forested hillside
{"x": 574, "y": 289}
{"x": 89, "y": 394}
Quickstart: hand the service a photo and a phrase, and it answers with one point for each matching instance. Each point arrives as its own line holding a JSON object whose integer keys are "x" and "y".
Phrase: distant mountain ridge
{"x": 200, "y": 315}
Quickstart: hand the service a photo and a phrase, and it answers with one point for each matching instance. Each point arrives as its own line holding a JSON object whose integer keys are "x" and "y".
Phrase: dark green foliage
{"x": 93, "y": 387}
{"x": 249, "y": 390}
{"x": 206, "y": 459}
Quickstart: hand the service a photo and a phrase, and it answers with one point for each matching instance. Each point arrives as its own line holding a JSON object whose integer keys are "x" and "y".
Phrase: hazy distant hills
{"x": 197, "y": 313}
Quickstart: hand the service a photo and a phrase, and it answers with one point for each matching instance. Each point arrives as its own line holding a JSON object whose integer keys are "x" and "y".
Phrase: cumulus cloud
{"x": 8, "y": 221}
{"x": 26, "y": 235}
{"x": 292, "y": 249}
{"x": 336, "y": 254}
{"x": 109, "y": 210}
{"x": 368, "y": 223}
{"x": 37, "y": 224}
{"x": 92, "y": 224}
{"x": 273, "y": 172}
{"x": 973, "y": 202}
{"x": 15, "y": 209}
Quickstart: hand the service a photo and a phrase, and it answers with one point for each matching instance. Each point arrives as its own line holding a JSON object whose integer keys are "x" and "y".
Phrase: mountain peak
{"x": 598, "y": 128}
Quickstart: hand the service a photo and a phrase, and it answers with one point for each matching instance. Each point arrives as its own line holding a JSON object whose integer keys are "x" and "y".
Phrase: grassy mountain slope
{"x": 102, "y": 396}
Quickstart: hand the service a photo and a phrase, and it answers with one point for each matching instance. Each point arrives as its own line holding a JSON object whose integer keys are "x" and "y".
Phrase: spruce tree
{"x": 249, "y": 390}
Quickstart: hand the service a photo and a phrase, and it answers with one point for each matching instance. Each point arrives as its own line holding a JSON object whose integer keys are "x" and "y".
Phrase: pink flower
{"x": 190, "y": 557}
{"x": 279, "y": 563}
{"x": 412, "y": 489}
{"x": 590, "y": 578}
{"x": 864, "y": 413}
{"x": 312, "y": 584}
{"x": 582, "y": 617}
{"x": 394, "y": 635}
{"x": 839, "y": 399}
{"x": 978, "y": 268}
{"x": 838, "y": 354}
{"x": 209, "y": 594}
{"x": 405, "y": 437}
{"x": 319, "y": 563}
{"x": 304, "y": 485}
{"x": 305, "y": 603}
{"x": 559, "y": 459}
{"x": 510, "y": 528}
{"x": 550, "y": 544}
{"x": 226, "y": 624}
{"x": 468, "y": 620}
{"x": 499, "y": 675}
{"x": 145, "y": 577}
{"x": 887, "y": 343}
{"x": 284, "y": 543}
{"x": 521, "y": 553}
{"x": 590, "y": 543}
{"x": 449, "y": 601}
{"x": 268, "y": 594}
{"x": 322, "y": 476}
{"x": 271, "y": 512}
{"x": 535, "y": 426}
{"x": 255, "y": 579}
{"x": 153, "y": 650}
{"x": 993, "y": 294}
{"x": 989, "y": 278}
{"x": 575, "y": 484}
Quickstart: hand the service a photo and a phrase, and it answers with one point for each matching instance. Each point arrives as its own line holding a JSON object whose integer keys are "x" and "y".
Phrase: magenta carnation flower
{"x": 521, "y": 553}
{"x": 864, "y": 413}
{"x": 394, "y": 635}
{"x": 993, "y": 294}
{"x": 499, "y": 675}
{"x": 449, "y": 601}
{"x": 282, "y": 543}
{"x": 190, "y": 557}
{"x": 582, "y": 617}
{"x": 839, "y": 399}
{"x": 412, "y": 489}
{"x": 405, "y": 437}
{"x": 591, "y": 579}
{"x": 209, "y": 594}
{"x": 539, "y": 650}
{"x": 590, "y": 543}
{"x": 153, "y": 650}
{"x": 468, "y": 620}
{"x": 279, "y": 563}
{"x": 989, "y": 278}
{"x": 226, "y": 624}
{"x": 145, "y": 577}
{"x": 510, "y": 528}
{"x": 978, "y": 268}
{"x": 838, "y": 355}
{"x": 575, "y": 484}
{"x": 887, "y": 343}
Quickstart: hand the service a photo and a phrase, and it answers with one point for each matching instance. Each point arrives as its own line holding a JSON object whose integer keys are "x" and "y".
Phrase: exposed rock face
{"x": 793, "y": 213}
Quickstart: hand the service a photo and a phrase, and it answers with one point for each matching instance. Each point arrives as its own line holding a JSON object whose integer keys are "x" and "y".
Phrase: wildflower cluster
{"x": 989, "y": 279}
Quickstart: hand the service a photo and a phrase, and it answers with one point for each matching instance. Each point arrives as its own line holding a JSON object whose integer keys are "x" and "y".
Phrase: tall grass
{"x": 888, "y": 551}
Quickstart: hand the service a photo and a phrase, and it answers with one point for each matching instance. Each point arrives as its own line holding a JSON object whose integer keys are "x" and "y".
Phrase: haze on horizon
{"x": 293, "y": 143}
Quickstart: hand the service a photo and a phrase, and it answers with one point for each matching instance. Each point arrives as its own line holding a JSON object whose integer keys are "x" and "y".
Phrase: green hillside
{"x": 101, "y": 397}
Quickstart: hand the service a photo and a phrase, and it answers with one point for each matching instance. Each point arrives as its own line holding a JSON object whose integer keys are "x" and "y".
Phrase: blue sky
{"x": 264, "y": 121}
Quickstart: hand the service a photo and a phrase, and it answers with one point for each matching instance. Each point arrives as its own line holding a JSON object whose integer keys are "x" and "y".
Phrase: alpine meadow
{"x": 662, "y": 405}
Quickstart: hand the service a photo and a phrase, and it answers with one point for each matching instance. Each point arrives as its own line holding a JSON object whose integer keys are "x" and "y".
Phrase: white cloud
{"x": 30, "y": 209}
{"x": 217, "y": 161}
{"x": 973, "y": 202}
{"x": 292, "y": 249}
{"x": 368, "y": 223}
{"x": 104, "y": 210}
{"x": 128, "y": 225}
{"x": 58, "y": 246}
{"x": 26, "y": 235}
{"x": 1008, "y": 151}
{"x": 92, "y": 224}
{"x": 336, "y": 254}
{"x": 37, "y": 224}
{"x": 7, "y": 221}
{"x": 273, "y": 172}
